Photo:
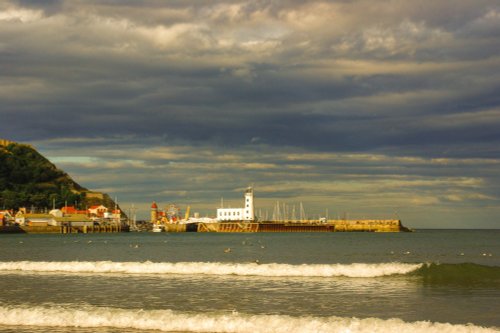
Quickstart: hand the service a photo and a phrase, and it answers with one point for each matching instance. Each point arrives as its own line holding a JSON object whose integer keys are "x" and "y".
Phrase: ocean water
{"x": 426, "y": 281}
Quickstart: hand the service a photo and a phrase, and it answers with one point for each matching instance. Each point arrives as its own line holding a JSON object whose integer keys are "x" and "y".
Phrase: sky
{"x": 357, "y": 109}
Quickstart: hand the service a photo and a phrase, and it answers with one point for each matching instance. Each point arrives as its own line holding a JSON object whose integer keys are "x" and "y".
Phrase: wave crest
{"x": 361, "y": 270}
{"x": 171, "y": 321}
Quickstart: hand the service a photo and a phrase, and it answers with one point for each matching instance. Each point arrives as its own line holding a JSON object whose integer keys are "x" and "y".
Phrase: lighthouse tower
{"x": 154, "y": 212}
{"x": 248, "y": 211}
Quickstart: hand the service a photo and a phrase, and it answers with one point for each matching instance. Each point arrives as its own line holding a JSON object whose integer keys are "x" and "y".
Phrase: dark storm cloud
{"x": 254, "y": 82}
{"x": 48, "y": 6}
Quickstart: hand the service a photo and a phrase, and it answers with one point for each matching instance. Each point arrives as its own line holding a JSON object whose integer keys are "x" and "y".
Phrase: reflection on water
{"x": 258, "y": 295}
{"x": 55, "y": 329}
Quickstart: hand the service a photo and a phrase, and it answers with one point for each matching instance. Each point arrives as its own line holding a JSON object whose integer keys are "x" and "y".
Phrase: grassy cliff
{"x": 28, "y": 179}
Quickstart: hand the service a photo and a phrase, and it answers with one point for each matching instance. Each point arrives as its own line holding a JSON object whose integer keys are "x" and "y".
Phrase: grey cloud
{"x": 48, "y": 6}
{"x": 398, "y": 79}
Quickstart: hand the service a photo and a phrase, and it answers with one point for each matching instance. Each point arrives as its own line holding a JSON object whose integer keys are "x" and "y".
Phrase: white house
{"x": 239, "y": 214}
{"x": 98, "y": 211}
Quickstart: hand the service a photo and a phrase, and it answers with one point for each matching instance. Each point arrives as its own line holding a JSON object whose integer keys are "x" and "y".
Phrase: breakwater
{"x": 292, "y": 226}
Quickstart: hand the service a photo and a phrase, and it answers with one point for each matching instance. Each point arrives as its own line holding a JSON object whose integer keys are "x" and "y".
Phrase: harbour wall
{"x": 62, "y": 229}
{"x": 302, "y": 226}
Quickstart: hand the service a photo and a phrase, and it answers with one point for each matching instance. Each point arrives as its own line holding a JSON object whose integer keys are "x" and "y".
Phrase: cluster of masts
{"x": 285, "y": 212}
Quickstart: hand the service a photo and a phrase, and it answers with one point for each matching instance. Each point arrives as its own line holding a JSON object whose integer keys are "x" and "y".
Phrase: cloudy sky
{"x": 365, "y": 108}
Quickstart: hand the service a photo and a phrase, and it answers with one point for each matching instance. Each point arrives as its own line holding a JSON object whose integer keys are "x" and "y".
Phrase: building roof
{"x": 154, "y": 205}
{"x": 96, "y": 207}
{"x": 68, "y": 209}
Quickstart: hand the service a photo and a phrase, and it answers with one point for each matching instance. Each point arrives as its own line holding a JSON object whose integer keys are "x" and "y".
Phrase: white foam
{"x": 214, "y": 268}
{"x": 171, "y": 321}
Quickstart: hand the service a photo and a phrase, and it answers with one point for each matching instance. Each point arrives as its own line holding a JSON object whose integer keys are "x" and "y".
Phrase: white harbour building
{"x": 239, "y": 214}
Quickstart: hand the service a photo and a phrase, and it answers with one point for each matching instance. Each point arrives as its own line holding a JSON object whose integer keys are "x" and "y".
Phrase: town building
{"x": 34, "y": 220}
{"x": 74, "y": 220}
{"x": 66, "y": 216}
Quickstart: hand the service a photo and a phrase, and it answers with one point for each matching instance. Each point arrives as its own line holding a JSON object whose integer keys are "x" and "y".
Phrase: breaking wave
{"x": 354, "y": 270}
{"x": 171, "y": 321}
{"x": 466, "y": 273}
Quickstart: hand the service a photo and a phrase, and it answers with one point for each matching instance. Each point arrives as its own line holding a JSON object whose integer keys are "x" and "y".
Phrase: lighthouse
{"x": 248, "y": 211}
{"x": 154, "y": 212}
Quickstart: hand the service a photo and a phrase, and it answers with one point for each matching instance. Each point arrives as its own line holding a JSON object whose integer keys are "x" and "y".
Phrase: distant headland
{"x": 29, "y": 180}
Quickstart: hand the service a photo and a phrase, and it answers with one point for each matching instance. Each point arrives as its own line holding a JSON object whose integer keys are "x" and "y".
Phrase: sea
{"x": 424, "y": 281}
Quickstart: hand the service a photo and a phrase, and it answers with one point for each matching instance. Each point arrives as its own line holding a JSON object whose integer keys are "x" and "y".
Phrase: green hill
{"x": 28, "y": 179}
